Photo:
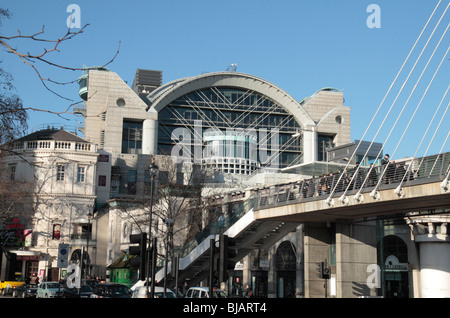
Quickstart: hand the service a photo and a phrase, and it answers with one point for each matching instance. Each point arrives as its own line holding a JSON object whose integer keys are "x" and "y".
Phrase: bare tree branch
{"x": 43, "y": 57}
{"x": 13, "y": 116}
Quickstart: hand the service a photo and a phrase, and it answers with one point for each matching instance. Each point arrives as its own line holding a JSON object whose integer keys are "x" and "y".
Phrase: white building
{"x": 63, "y": 177}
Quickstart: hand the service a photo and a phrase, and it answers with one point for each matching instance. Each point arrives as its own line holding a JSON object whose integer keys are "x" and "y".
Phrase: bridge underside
{"x": 413, "y": 197}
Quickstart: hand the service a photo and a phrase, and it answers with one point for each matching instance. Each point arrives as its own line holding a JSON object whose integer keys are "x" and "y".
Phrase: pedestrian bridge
{"x": 271, "y": 212}
{"x": 419, "y": 184}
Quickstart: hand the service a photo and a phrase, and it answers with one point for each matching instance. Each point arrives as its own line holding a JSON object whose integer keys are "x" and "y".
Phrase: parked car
{"x": 111, "y": 290}
{"x": 25, "y": 291}
{"x": 49, "y": 290}
{"x": 140, "y": 292}
{"x": 203, "y": 292}
{"x": 86, "y": 292}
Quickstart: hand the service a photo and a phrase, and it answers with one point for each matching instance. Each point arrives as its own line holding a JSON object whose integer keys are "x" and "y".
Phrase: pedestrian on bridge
{"x": 373, "y": 178}
{"x": 384, "y": 162}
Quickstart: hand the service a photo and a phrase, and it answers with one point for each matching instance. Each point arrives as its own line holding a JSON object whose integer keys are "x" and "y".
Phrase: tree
{"x": 180, "y": 188}
{"x": 13, "y": 193}
{"x": 179, "y": 192}
{"x": 13, "y": 117}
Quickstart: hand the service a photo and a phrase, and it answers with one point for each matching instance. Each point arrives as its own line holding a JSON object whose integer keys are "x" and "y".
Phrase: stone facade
{"x": 61, "y": 173}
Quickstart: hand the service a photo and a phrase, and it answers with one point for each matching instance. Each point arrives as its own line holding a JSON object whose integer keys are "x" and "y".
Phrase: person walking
{"x": 248, "y": 293}
{"x": 384, "y": 162}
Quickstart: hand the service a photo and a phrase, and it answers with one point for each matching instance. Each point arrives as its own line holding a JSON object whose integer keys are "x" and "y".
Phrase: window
{"x": 86, "y": 231}
{"x": 60, "y": 172}
{"x": 242, "y": 107}
{"x": 12, "y": 172}
{"x": 115, "y": 183}
{"x": 132, "y": 178}
{"x": 180, "y": 178}
{"x": 102, "y": 181}
{"x": 81, "y": 174}
{"x": 56, "y": 232}
{"x": 325, "y": 143}
{"x": 132, "y": 137}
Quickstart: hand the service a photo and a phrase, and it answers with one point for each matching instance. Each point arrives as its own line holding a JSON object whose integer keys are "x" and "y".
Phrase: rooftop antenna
{"x": 232, "y": 67}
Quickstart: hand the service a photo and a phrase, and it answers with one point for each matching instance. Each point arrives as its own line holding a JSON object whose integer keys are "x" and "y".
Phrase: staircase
{"x": 248, "y": 234}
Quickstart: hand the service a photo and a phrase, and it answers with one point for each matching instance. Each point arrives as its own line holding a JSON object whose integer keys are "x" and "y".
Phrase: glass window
{"x": 60, "y": 172}
{"x": 81, "y": 171}
{"x": 224, "y": 108}
{"x": 325, "y": 143}
{"x": 132, "y": 137}
{"x": 132, "y": 178}
{"x": 12, "y": 172}
{"x": 102, "y": 181}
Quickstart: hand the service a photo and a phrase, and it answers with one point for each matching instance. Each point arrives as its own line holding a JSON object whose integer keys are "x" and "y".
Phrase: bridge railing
{"x": 217, "y": 227}
{"x": 357, "y": 179}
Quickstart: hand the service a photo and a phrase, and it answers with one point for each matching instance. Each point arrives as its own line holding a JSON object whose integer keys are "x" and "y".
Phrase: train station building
{"x": 218, "y": 140}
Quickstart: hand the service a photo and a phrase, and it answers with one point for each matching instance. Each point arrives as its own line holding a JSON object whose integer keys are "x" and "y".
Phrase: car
{"x": 91, "y": 282}
{"x": 111, "y": 290}
{"x": 203, "y": 292}
{"x": 7, "y": 287}
{"x": 49, "y": 290}
{"x": 25, "y": 291}
{"x": 140, "y": 292}
{"x": 86, "y": 292}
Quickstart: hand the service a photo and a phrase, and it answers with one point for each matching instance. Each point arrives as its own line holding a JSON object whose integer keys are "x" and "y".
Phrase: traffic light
{"x": 227, "y": 252}
{"x": 140, "y": 253}
{"x": 324, "y": 270}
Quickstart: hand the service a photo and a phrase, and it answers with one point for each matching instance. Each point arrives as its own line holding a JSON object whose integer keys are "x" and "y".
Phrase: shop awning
{"x": 122, "y": 262}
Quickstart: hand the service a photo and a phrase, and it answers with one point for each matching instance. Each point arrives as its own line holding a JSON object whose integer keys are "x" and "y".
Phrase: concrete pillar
{"x": 246, "y": 272}
{"x": 150, "y": 137}
{"x": 310, "y": 145}
{"x": 300, "y": 268}
{"x": 316, "y": 249}
{"x": 431, "y": 234}
{"x": 356, "y": 250}
{"x": 435, "y": 269}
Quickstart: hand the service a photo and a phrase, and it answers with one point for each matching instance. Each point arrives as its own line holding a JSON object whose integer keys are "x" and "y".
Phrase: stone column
{"x": 431, "y": 233}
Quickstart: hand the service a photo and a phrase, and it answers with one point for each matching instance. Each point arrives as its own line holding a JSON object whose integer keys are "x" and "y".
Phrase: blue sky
{"x": 299, "y": 45}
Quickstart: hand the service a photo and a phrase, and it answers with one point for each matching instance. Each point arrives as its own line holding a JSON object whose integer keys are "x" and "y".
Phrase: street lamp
{"x": 153, "y": 169}
{"x": 90, "y": 214}
{"x": 169, "y": 223}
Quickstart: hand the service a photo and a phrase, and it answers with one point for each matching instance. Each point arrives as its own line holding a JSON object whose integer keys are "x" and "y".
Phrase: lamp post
{"x": 169, "y": 223}
{"x": 90, "y": 214}
{"x": 153, "y": 169}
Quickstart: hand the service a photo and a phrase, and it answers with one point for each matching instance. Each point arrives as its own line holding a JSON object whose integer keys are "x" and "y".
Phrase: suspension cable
{"x": 379, "y": 107}
{"x": 435, "y": 131}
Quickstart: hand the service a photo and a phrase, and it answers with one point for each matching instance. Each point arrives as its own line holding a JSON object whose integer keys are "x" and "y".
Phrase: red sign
{"x": 15, "y": 225}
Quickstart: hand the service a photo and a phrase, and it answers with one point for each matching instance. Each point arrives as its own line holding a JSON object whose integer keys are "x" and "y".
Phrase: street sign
{"x": 63, "y": 255}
